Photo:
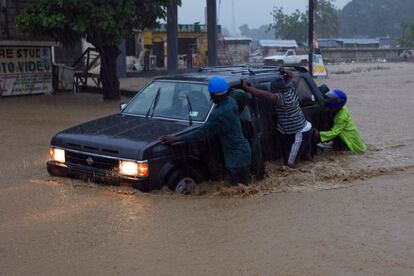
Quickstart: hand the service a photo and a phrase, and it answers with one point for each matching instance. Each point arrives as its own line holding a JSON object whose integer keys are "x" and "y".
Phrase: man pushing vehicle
{"x": 224, "y": 122}
{"x": 344, "y": 133}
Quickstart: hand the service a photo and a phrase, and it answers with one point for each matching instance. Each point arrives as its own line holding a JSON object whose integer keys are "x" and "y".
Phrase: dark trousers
{"x": 295, "y": 146}
{"x": 239, "y": 175}
{"x": 339, "y": 144}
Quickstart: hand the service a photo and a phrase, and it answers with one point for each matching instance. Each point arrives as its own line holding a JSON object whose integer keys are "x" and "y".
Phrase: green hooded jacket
{"x": 345, "y": 128}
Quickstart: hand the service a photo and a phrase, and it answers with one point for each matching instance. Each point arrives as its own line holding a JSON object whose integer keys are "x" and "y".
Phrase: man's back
{"x": 290, "y": 115}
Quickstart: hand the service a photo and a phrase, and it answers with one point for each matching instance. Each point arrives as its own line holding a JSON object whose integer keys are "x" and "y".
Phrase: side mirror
{"x": 122, "y": 106}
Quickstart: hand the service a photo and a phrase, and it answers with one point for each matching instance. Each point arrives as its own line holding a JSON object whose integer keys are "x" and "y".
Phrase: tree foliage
{"x": 290, "y": 26}
{"x": 295, "y": 25}
{"x": 326, "y": 19}
{"x": 375, "y": 18}
{"x": 407, "y": 38}
{"x": 263, "y": 32}
{"x": 104, "y": 23}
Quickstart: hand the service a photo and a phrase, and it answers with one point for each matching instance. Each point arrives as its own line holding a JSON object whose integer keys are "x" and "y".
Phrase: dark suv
{"x": 125, "y": 147}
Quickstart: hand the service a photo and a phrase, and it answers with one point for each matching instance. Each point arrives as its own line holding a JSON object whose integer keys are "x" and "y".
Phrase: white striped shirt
{"x": 290, "y": 116}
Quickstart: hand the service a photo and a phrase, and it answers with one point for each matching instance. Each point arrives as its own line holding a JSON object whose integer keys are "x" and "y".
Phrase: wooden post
{"x": 212, "y": 32}
{"x": 311, "y": 30}
{"x": 172, "y": 38}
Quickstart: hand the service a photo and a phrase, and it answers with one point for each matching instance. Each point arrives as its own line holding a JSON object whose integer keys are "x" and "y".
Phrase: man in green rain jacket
{"x": 224, "y": 121}
{"x": 344, "y": 133}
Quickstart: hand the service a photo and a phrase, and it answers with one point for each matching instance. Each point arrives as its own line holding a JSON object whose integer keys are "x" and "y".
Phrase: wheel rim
{"x": 184, "y": 185}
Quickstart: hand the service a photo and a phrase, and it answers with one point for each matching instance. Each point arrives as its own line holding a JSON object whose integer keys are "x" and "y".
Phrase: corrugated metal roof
{"x": 279, "y": 43}
{"x": 360, "y": 41}
{"x": 237, "y": 38}
{"x": 328, "y": 43}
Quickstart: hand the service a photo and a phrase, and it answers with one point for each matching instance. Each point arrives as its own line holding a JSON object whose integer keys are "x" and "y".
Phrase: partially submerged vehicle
{"x": 125, "y": 147}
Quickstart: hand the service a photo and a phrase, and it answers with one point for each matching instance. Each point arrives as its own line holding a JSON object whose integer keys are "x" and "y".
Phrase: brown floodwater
{"x": 343, "y": 214}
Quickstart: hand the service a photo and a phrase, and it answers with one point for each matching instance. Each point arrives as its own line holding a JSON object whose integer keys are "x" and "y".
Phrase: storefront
{"x": 192, "y": 45}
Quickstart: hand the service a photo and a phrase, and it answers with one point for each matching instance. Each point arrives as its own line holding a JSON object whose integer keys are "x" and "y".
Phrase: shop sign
{"x": 25, "y": 70}
{"x": 319, "y": 69}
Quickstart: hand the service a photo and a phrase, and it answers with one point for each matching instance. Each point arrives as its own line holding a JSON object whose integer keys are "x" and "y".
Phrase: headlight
{"x": 57, "y": 155}
{"x": 131, "y": 168}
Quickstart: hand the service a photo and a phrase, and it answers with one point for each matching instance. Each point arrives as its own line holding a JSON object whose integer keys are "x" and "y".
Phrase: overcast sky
{"x": 251, "y": 12}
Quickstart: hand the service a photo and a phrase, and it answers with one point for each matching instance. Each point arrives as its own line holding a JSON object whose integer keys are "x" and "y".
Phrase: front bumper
{"x": 96, "y": 175}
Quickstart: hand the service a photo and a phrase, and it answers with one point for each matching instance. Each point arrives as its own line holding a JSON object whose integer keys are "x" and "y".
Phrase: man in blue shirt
{"x": 224, "y": 121}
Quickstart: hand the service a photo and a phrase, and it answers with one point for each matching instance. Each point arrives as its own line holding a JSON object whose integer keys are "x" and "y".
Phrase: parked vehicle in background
{"x": 407, "y": 55}
{"x": 125, "y": 147}
{"x": 256, "y": 57}
{"x": 288, "y": 58}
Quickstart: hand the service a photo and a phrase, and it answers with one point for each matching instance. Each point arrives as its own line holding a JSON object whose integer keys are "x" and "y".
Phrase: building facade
{"x": 192, "y": 45}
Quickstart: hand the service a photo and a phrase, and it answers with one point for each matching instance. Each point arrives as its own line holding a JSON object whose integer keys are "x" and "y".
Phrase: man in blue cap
{"x": 293, "y": 129}
{"x": 224, "y": 121}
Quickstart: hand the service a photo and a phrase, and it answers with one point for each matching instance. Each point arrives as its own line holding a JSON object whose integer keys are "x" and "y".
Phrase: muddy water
{"x": 300, "y": 221}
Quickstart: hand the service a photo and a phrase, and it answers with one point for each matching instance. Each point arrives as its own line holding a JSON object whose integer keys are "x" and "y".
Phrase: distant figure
{"x": 224, "y": 121}
{"x": 146, "y": 61}
{"x": 344, "y": 133}
{"x": 294, "y": 131}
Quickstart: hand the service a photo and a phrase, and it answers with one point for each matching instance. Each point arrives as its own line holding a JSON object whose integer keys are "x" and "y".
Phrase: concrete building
{"x": 234, "y": 50}
{"x": 192, "y": 44}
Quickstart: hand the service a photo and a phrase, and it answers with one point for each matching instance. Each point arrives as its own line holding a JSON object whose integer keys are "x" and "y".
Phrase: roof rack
{"x": 248, "y": 69}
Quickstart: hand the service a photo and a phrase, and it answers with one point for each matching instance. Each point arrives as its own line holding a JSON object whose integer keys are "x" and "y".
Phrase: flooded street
{"x": 343, "y": 214}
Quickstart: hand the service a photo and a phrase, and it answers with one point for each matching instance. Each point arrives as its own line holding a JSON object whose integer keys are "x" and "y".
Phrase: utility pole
{"x": 311, "y": 31}
{"x": 212, "y": 32}
{"x": 172, "y": 38}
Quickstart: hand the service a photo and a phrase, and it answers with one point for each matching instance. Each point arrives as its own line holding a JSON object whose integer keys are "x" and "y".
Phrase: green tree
{"x": 295, "y": 25}
{"x": 326, "y": 19}
{"x": 290, "y": 26}
{"x": 375, "y": 18}
{"x": 262, "y": 32}
{"x": 103, "y": 23}
{"x": 407, "y": 38}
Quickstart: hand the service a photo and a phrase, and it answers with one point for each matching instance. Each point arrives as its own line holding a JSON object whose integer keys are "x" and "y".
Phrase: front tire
{"x": 182, "y": 182}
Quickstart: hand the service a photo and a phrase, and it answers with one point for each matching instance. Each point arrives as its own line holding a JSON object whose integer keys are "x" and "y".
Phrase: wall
{"x": 235, "y": 52}
{"x": 348, "y": 55}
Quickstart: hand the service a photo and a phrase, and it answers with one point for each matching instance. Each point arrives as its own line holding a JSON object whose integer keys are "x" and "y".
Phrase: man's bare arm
{"x": 295, "y": 78}
{"x": 259, "y": 93}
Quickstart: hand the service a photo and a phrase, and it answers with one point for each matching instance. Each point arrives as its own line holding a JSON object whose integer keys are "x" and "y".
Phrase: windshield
{"x": 172, "y": 101}
{"x": 275, "y": 52}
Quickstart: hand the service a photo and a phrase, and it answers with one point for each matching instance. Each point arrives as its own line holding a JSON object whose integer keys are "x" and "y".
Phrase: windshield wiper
{"x": 190, "y": 110}
{"x": 153, "y": 104}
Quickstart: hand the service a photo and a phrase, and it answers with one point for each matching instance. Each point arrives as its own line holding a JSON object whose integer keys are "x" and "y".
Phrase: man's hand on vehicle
{"x": 244, "y": 85}
{"x": 169, "y": 139}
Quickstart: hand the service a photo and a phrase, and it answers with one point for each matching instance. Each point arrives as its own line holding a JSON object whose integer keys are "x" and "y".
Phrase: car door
{"x": 267, "y": 119}
{"x": 290, "y": 57}
{"x": 309, "y": 103}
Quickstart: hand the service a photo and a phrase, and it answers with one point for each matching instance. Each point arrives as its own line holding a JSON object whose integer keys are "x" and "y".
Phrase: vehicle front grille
{"x": 92, "y": 161}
